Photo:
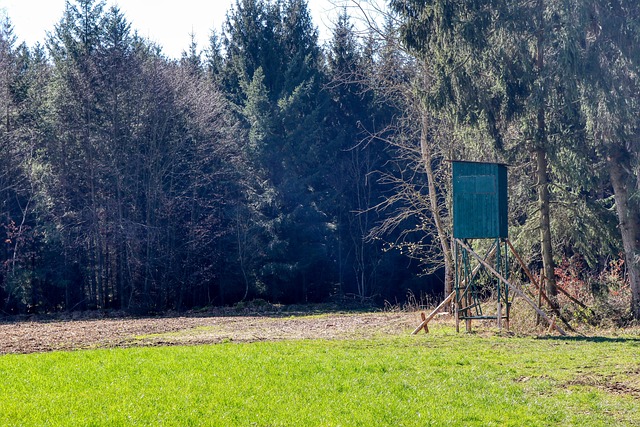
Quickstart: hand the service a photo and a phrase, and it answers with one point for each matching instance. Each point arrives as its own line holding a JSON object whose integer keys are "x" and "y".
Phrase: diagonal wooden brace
{"x": 512, "y": 287}
{"x": 426, "y": 320}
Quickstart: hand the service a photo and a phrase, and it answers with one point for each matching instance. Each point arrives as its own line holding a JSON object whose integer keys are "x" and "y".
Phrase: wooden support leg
{"x": 426, "y": 319}
{"x": 513, "y": 288}
{"x": 424, "y": 322}
{"x": 542, "y": 280}
{"x": 506, "y": 322}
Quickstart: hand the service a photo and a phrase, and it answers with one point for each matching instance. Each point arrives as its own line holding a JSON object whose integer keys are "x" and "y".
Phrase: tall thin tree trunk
{"x": 545, "y": 225}
{"x": 629, "y": 219}
{"x": 542, "y": 170}
{"x": 443, "y": 238}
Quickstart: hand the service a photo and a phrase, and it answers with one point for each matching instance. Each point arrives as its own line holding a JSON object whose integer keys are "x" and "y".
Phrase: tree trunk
{"x": 542, "y": 168}
{"x": 545, "y": 226}
{"x": 427, "y": 159}
{"x": 622, "y": 181}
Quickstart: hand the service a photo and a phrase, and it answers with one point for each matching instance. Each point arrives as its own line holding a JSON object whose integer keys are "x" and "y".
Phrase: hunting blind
{"x": 479, "y": 200}
{"x": 480, "y": 212}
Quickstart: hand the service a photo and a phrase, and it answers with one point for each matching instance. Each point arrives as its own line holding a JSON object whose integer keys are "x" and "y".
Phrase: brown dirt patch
{"x": 40, "y": 336}
{"x": 606, "y": 384}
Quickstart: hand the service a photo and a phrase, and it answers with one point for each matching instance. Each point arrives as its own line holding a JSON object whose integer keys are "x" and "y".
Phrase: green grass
{"x": 442, "y": 379}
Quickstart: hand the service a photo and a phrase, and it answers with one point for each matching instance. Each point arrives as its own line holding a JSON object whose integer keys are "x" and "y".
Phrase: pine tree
{"x": 272, "y": 67}
{"x": 14, "y": 196}
{"x": 74, "y": 48}
{"x": 250, "y": 42}
{"x": 609, "y": 84}
{"x": 119, "y": 107}
{"x": 192, "y": 58}
{"x": 214, "y": 59}
{"x": 354, "y": 187}
{"x": 499, "y": 69}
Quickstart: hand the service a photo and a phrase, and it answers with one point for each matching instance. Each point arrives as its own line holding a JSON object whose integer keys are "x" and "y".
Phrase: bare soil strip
{"x": 42, "y": 336}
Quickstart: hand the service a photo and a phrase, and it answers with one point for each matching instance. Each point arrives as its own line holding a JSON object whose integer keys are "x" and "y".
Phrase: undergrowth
{"x": 597, "y": 302}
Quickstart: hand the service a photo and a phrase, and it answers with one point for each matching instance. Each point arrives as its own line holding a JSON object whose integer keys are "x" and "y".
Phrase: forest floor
{"x": 85, "y": 330}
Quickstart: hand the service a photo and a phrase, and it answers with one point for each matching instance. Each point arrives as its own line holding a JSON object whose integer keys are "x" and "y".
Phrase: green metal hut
{"x": 479, "y": 212}
{"x": 479, "y": 200}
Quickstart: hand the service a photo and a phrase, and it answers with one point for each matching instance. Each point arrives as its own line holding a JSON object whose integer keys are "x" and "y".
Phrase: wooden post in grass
{"x": 457, "y": 313}
{"x": 426, "y": 319}
{"x": 506, "y": 321}
{"x": 540, "y": 285}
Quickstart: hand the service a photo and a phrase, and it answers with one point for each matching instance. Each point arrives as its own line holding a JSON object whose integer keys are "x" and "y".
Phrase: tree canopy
{"x": 268, "y": 165}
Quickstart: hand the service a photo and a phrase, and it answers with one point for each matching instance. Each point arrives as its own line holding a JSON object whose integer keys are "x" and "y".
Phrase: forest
{"x": 267, "y": 165}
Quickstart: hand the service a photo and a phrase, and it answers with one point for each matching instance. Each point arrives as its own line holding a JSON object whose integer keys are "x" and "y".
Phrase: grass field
{"x": 441, "y": 379}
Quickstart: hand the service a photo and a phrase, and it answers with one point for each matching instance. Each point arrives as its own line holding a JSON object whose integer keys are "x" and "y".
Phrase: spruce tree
{"x": 609, "y": 87}
{"x": 74, "y": 47}
{"x": 273, "y": 70}
{"x": 15, "y": 209}
{"x": 354, "y": 184}
{"x": 505, "y": 67}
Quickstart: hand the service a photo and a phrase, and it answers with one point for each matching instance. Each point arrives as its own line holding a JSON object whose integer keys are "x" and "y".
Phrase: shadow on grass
{"x": 596, "y": 339}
